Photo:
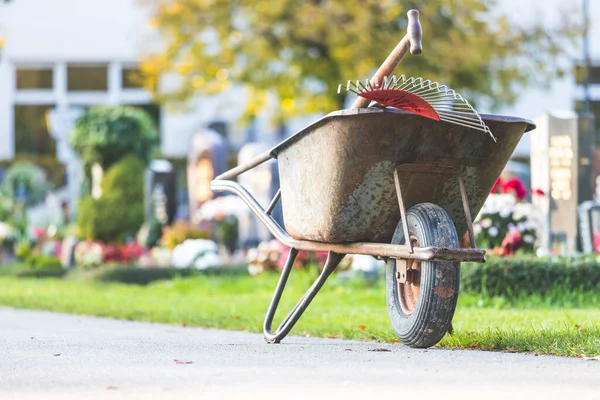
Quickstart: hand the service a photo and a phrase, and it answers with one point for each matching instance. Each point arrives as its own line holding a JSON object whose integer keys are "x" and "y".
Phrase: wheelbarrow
{"x": 391, "y": 184}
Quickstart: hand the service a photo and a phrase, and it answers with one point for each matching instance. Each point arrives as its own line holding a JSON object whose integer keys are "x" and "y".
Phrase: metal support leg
{"x": 402, "y": 210}
{"x": 333, "y": 259}
{"x": 465, "y": 201}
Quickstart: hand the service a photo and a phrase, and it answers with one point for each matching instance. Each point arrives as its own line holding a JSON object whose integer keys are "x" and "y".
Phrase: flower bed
{"x": 506, "y": 223}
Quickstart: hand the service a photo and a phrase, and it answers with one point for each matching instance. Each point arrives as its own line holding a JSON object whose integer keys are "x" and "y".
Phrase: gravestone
{"x": 589, "y": 226}
{"x": 562, "y": 152}
{"x": 160, "y": 192}
{"x": 67, "y": 252}
{"x": 207, "y": 158}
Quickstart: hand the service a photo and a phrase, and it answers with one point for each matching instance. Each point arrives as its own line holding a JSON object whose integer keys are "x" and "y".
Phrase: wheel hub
{"x": 408, "y": 277}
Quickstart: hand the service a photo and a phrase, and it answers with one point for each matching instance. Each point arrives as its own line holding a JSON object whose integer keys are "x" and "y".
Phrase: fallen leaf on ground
{"x": 183, "y": 362}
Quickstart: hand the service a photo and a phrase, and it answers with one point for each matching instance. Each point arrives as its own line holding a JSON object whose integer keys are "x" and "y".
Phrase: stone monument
{"x": 160, "y": 192}
{"x": 207, "y": 158}
{"x": 562, "y": 151}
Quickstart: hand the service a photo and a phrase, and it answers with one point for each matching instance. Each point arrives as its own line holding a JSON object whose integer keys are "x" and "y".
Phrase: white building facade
{"x": 79, "y": 53}
{"x": 64, "y": 54}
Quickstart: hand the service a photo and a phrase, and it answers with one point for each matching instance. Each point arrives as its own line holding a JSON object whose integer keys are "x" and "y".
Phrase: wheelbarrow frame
{"x": 337, "y": 251}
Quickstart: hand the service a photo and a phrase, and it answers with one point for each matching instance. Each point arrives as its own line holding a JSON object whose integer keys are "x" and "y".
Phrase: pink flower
{"x": 516, "y": 187}
{"x": 39, "y": 233}
{"x": 596, "y": 238}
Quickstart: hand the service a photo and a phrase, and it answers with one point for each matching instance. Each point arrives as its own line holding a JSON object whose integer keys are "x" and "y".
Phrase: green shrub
{"x": 54, "y": 170}
{"x": 519, "y": 276}
{"x": 105, "y": 135}
{"x": 30, "y": 177}
{"x": 118, "y": 214}
{"x": 22, "y": 249}
{"x": 42, "y": 262}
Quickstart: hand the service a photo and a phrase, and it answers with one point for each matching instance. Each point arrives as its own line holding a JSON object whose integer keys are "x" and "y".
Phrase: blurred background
{"x": 116, "y": 114}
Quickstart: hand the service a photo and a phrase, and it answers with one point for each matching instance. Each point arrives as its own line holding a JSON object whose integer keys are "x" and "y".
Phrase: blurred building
{"x": 73, "y": 53}
{"x": 67, "y": 54}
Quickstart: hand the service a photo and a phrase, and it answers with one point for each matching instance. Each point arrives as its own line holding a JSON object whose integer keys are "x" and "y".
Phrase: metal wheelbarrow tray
{"x": 349, "y": 180}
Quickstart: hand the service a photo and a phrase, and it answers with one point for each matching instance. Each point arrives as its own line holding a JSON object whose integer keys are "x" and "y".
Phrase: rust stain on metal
{"x": 444, "y": 291}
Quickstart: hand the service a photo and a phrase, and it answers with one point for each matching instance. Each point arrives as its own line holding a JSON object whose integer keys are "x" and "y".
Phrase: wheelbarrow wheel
{"x": 421, "y": 303}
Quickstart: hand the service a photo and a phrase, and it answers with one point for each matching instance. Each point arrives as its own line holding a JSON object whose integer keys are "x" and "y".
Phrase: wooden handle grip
{"x": 414, "y": 32}
{"x": 411, "y": 40}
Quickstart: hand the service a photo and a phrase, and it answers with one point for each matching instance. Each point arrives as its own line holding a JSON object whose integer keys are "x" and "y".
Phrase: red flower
{"x": 496, "y": 185}
{"x": 539, "y": 192}
{"x": 130, "y": 252}
{"x": 516, "y": 187}
{"x": 110, "y": 252}
{"x": 511, "y": 243}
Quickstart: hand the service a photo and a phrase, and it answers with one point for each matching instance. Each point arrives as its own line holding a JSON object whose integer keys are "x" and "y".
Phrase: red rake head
{"x": 425, "y": 98}
{"x": 401, "y": 99}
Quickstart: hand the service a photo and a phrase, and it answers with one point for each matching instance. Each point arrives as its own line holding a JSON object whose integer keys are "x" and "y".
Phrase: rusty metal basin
{"x": 337, "y": 182}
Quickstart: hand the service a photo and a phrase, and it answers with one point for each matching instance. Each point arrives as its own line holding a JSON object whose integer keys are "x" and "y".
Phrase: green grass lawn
{"x": 561, "y": 324}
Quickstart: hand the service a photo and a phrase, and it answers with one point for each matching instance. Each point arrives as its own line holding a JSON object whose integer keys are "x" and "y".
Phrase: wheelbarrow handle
{"x": 411, "y": 41}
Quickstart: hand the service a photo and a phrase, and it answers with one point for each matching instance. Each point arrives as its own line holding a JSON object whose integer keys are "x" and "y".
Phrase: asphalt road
{"x": 55, "y": 356}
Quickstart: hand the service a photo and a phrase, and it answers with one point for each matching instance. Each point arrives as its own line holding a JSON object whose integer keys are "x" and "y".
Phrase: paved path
{"x": 55, "y": 356}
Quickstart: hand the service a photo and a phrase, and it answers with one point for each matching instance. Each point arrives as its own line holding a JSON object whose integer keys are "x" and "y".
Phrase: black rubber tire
{"x": 432, "y": 316}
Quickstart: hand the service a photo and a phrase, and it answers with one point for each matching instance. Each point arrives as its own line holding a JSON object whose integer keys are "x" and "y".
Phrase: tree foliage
{"x": 302, "y": 49}
{"x": 105, "y": 135}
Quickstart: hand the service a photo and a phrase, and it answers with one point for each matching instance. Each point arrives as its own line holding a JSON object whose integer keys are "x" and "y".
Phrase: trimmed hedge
{"x": 119, "y": 213}
{"x": 106, "y": 134}
{"x": 145, "y": 276}
{"x": 42, "y": 269}
{"x": 510, "y": 277}
{"x": 517, "y": 276}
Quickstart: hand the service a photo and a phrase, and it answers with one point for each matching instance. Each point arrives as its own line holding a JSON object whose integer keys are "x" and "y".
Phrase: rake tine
{"x": 441, "y": 102}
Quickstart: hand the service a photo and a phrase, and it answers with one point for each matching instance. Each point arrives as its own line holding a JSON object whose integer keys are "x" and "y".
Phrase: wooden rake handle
{"x": 411, "y": 41}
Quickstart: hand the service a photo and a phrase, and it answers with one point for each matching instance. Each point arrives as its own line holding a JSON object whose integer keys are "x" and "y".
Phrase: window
{"x": 92, "y": 78}
{"x": 595, "y": 109}
{"x": 31, "y": 130}
{"x": 580, "y": 74}
{"x": 131, "y": 78}
{"x": 34, "y": 78}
